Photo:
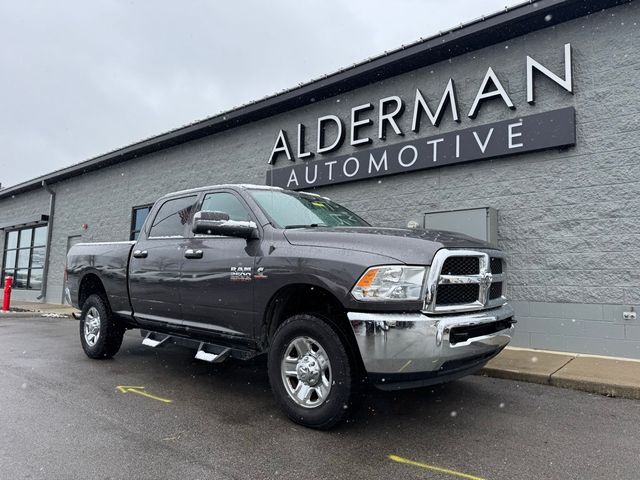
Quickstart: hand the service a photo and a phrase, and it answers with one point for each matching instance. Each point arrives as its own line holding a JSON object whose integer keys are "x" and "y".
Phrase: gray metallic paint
{"x": 403, "y": 245}
{"x": 109, "y": 262}
{"x": 197, "y": 298}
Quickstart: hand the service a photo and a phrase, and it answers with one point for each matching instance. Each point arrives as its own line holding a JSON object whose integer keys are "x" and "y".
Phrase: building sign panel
{"x": 530, "y": 133}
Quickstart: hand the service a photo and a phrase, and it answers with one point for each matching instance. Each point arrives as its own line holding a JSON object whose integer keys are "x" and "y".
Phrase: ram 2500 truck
{"x": 335, "y": 303}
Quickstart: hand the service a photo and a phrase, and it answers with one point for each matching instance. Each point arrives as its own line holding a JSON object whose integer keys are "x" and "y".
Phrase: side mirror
{"x": 207, "y": 222}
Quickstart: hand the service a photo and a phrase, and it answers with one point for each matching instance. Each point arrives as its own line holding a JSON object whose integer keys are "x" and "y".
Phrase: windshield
{"x": 291, "y": 209}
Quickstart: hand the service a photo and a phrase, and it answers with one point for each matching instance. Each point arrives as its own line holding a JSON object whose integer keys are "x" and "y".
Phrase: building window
{"x": 138, "y": 216}
{"x": 23, "y": 259}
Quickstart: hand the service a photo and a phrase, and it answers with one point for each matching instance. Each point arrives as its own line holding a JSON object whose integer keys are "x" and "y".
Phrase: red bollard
{"x": 6, "y": 302}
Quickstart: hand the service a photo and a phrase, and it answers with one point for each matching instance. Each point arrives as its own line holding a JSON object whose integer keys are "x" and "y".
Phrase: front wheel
{"x": 100, "y": 333}
{"x": 313, "y": 378}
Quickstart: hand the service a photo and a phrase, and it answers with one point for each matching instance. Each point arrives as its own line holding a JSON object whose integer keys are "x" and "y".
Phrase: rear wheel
{"x": 312, "y": 376}
{"x": 100, "y": 333}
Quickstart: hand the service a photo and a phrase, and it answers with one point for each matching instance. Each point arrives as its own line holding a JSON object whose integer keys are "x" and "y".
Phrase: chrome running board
{"x": 204, "y": 355}
{"x": 153, "y": 339}
{"x": 205, "y": 351}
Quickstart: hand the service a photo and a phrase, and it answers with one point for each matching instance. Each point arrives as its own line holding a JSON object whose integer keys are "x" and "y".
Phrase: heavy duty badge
{"x": 240, "y": 274}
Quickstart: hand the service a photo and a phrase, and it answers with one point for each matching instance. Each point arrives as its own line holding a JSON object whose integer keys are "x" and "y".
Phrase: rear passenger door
{"x": 154, "y": 271}
{"x": 217, "y": 287}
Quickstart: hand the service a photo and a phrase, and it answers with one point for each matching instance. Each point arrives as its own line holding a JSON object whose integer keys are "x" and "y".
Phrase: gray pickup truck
{"x": 335, "y": 303}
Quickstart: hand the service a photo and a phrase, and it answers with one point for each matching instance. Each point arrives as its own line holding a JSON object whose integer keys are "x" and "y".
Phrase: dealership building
{"x": 522, "y": 128}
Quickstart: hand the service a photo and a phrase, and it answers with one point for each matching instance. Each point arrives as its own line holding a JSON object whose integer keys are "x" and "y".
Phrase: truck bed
{"x": 110, "y": 262}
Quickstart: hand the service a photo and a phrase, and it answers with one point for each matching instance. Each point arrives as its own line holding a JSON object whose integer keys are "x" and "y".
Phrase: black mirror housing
{"x": 211, "y": 216}
{"x": 218, "y": 223}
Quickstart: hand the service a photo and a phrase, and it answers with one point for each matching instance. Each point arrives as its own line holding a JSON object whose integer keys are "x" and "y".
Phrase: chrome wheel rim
{"x": 306, "y": 372}
{"x": 92, "y": 326}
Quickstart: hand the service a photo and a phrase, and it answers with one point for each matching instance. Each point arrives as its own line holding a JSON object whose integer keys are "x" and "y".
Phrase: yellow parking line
{"x": 140, "y": 391}
{"x": 406, "y": 461}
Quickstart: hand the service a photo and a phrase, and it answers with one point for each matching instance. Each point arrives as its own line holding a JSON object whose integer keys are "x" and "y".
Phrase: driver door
{"x": 217, "y": 284}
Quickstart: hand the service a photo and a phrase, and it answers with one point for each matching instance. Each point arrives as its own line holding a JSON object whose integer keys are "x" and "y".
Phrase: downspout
{"x": 45, "y": 271}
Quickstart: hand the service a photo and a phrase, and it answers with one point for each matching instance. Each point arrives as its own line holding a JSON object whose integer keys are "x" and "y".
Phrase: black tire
{"x": 108, "y": 334}
{"x": 345, "y": 379}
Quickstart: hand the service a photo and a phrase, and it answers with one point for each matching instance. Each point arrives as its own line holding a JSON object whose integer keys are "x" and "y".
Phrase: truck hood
{"x": 410, "y": 246}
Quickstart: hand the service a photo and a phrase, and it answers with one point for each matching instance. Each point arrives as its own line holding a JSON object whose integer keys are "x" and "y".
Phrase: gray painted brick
{"x": 552, "y": 326}
{"x": 623, "y": 348}
{"x": 584, "y": 294}
{"x": 521, "y": 339}
{"x": 549, "y": 342}
{"x": 603, "y": 330}
{"x": 543, "y": 309}
{"x": 520, "y": 308}
{"x": 594, "y": 346}
{"x": 582, "y": 311}
{"x": 632, "y": 295}
{"x": 524, "y": 292}
{"x": 632, "y": 332}
{"x": 613, "y": 313}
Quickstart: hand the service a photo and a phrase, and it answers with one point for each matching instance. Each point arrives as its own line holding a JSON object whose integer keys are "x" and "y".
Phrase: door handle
{"x": 140, "y": 253}
{"x": 190, "y": 253}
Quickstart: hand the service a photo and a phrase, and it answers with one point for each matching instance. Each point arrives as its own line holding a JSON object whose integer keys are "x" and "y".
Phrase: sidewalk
{"x": 27, "y": 309}
{"x": 613, "y": 377}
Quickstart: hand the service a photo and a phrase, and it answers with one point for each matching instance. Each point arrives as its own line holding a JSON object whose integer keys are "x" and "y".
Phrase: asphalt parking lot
{"x": 62, "y": 417}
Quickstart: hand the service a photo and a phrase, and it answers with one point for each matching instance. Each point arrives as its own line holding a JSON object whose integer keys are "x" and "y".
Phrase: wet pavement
{"x": 62, "y": 417}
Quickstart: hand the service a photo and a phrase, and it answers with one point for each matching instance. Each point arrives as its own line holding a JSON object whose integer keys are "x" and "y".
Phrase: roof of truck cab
{"x": 235, "y": 186}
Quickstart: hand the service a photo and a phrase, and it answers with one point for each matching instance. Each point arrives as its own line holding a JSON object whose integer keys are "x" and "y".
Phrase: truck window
{"x": 292, "y": 208}
{"x": 172, "y": 217}
{"x": 227, "y": 203}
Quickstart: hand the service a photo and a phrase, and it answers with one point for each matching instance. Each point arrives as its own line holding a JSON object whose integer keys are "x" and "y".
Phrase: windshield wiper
{"x": 309, "y": 225}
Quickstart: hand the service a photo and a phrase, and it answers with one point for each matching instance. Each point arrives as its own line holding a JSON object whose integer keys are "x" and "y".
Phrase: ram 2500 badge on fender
{"x": 241, "y": 270}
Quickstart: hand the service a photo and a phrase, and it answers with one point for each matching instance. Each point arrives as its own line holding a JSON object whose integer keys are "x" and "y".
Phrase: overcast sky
{"x": 80, "y": 78}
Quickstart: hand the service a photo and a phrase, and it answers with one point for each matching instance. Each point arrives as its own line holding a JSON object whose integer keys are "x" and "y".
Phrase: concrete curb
{"x": 34, "y": 313}
{"x": 36, "y": 309}
{"x": 18, "y": 314}
{"x": 601, "y": 388}
{"x": 613, "y": 377}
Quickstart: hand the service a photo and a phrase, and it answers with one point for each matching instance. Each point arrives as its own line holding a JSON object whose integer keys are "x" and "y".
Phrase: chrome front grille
{"x": 496, "y": 264}
{"x": 495, "y": 291}
{"x": 461, "y": 266}
{"x": 458, "y": 294}
{"x": 465, "y": 280}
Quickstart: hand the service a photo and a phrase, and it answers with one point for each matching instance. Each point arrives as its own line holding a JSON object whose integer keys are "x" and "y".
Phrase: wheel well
{"x": 89, "y": 285}
{"x": 304, "y": 298}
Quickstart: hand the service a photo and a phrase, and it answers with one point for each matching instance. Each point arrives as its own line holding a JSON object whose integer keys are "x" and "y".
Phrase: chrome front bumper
{"x": 419, "y": 346}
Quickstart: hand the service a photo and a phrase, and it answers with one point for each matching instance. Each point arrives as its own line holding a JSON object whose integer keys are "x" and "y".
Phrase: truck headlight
{"x": 391, "y": 282}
